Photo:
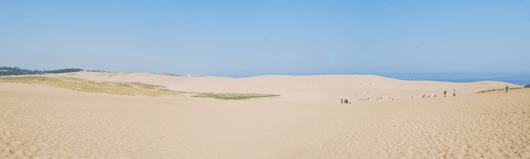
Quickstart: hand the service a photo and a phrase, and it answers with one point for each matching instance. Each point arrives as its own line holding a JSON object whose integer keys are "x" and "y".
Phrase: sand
{"x": 44, "y": 122}
{"x": 300, "y": 88}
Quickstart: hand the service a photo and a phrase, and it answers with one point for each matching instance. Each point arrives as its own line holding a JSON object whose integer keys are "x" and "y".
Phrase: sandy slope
{"x": 45, "y": 122}
{"x": 301, "y": 88}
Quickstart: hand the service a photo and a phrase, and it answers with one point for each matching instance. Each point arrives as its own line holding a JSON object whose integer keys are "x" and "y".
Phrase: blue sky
{"x": 238, "y": 38}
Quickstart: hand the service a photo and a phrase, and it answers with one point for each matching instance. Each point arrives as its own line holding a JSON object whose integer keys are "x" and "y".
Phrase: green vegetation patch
{"x": 146, "y": 86}
{"x": 232, "y": 96}
{"x": 119, "y": 88}
{"x": 502, "y": 89}
{"x": 123, "y": 84}
{"x": 72, "y": 79}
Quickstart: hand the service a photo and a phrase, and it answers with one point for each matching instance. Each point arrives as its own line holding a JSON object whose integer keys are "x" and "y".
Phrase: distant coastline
{"x": 5, "y": 71}
{"x": 518, "y": 78}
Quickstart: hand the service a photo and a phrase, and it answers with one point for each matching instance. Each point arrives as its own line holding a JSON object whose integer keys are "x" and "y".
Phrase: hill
{"x": 300, "y": 88}
{"x": 5, "y": 71}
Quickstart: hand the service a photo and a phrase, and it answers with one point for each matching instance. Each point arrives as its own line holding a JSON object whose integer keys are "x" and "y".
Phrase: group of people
{"x": 427, "y": 96}
{"x": 423, "y": 96}
{"x": 378, "y": 98}
{"x": 454, "y": 93}
{"x": 365, "y": 99}
{"x": 445, "y": 94}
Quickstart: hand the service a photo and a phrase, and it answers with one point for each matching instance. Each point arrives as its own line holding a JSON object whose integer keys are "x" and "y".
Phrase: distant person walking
{"x": 454, "y": 92}
{"x": 445, "y": 92}
{"x": 507, "y": 88}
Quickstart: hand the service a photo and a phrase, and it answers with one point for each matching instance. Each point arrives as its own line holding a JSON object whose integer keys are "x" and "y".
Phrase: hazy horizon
{"x": 239, "y": 38}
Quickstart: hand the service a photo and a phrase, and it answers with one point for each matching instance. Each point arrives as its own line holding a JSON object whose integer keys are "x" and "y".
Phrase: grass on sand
{"x": 232, "y": 96}
{"x": 119, "y": 88}
{"x": 502, "y": 89}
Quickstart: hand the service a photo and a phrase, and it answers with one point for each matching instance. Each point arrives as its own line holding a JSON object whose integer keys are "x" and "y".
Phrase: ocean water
{"x": 522, "y": 78}
{"x": 518, "y": 78}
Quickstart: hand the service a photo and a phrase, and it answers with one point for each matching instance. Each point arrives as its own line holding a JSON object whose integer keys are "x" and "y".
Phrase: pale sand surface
{"x": 45, "y": 122}
{"x": 300, "y": 88}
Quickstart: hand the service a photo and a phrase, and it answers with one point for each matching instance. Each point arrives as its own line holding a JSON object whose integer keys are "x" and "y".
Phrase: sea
{"x": 518, "y": 78}
{"x": 522, "y": 78}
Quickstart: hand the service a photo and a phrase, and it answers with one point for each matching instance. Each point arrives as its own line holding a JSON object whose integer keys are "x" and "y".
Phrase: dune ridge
{"x": 301, "y": 88}
{"x": 49, "y": 122}
{"x": 37, "y": 121}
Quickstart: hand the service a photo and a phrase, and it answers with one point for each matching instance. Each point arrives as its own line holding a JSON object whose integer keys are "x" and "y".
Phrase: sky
{"x": 243, "y": 38}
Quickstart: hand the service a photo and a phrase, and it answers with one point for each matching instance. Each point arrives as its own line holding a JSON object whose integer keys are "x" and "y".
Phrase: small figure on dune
{"x": 454, "y": 92}
{"x": 341, "y": 101}
{"x": 445, "y": 92}
{"x": 413, "y": 97}
{"x": 507, "y": 88}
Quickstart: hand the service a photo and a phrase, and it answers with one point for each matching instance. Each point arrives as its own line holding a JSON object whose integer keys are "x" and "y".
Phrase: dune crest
{"x": 47, "y": 122}
{"x": 301, "y": 88}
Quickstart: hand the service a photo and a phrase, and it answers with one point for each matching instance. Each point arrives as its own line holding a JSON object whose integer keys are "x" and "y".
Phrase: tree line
{"x": 4, "y": 71}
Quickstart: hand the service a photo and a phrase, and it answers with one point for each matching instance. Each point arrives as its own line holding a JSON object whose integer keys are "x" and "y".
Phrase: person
{"x": 341, "y": 101}
{"x": 412, "y": 96}
{"x": 454, "y": 92}
{"x": 445, "y": 92}
{"x": 346, "y": 101}
{"x": 507, "y": 88}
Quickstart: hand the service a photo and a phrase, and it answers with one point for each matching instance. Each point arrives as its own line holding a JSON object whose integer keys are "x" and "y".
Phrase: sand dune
{"x": 301, "y": 88}
{"x": 306, "y": 121}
